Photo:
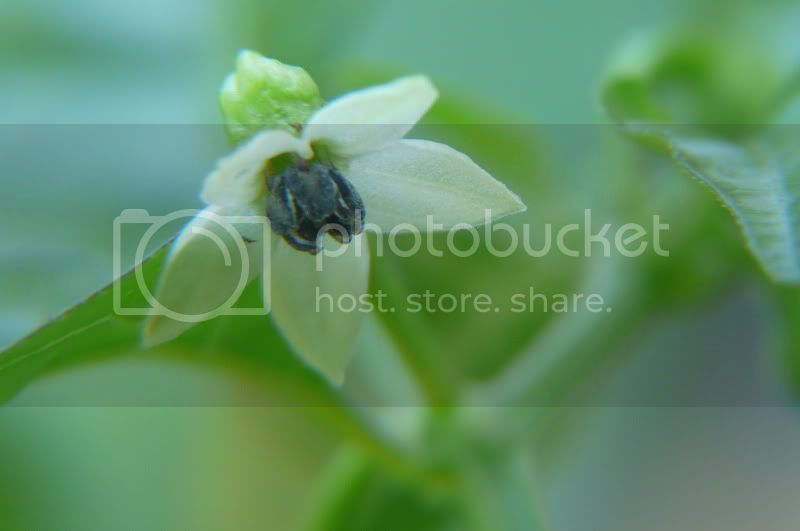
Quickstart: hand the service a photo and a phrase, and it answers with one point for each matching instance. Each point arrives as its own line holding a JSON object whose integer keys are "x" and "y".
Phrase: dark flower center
{"x": 309, "y": 200}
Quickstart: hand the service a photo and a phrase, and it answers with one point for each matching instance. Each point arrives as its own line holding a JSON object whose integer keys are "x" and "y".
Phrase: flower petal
{"x": 365, "y": 120}
{"x": 409, "y": 180}
{"x": 237, "y": 180}
{"x": 306, "y": 301}
{"x": 214, "y": 257}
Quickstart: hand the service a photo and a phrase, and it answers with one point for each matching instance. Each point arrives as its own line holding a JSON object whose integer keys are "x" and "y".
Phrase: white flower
{"x": 399, "y": 180}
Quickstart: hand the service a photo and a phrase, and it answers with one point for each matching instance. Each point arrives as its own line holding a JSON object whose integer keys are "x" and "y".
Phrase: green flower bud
{"x": 264, "y": 93}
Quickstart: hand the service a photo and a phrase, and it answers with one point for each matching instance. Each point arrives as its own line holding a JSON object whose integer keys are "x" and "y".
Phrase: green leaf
{"x": 89, "y": 329}
{"x": 711, "y": 79}
{"x": 500, "y": 493}
{"x": 354, "y": 493}
{"x": 92, "y": 331}
{"x": 761, "y": 187}
{"x": 757, "y": 178}
{"x": 687, "y": 96}
{"x": 787, "y": 336}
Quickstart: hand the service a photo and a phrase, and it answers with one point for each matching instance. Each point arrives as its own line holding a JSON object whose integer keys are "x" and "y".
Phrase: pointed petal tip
{"x": 515, "y": 206}
{"x": 411, "y": 180}
{"x": 519, "y": 204}
{"x": 513, "y": 203}
{"x": 322, "y": 336}
{"x": 334, "y": 375}
{"x": 421, "y": 87}
{"x": 423, "y": 83}
{"x": 155, "y": 333}
{"x": 364, "y": 120}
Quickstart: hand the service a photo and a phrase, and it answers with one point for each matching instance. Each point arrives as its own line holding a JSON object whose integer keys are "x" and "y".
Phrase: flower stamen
{"x": 310, "y": 199}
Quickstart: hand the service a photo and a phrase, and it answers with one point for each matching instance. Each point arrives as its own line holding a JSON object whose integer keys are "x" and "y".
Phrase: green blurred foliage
{"x": 310, "y": 458}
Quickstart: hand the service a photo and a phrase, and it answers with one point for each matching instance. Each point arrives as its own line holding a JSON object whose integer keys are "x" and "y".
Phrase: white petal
{"x": 409, "y": 180}
{"x": 306, "y": 301}
{"x": 208, "y": 266}
{"x": 237, "y": 180}
{"x": 365, "y": 120}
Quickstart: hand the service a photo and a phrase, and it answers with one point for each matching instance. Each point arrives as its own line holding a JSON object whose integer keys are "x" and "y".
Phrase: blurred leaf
{"x": 787, "y": 330}
{"x": 703, "y": 99}
{"x": 711, "y": 79}
{"x": 299, "y": 32}
{"x": 88, "y": 328}
{"x": 448, "y": 349}
{"x": 758, "y": 180}
{"x": 92, "y": 331}
{"x": 500, "y": 494}
{"x": 208, "y": 468}
{"x": 355, "y": 495}
{"x": 762, "y": 190}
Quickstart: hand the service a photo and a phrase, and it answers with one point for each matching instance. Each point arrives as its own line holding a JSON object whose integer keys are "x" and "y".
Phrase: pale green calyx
{"x": 264, "y": 93}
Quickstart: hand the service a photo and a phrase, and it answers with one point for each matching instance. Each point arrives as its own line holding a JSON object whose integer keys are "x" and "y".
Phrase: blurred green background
{"x": 688, "y": 423}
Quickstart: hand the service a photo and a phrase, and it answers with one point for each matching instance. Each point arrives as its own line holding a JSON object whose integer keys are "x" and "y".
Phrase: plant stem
{"x": 557, "y": 358}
